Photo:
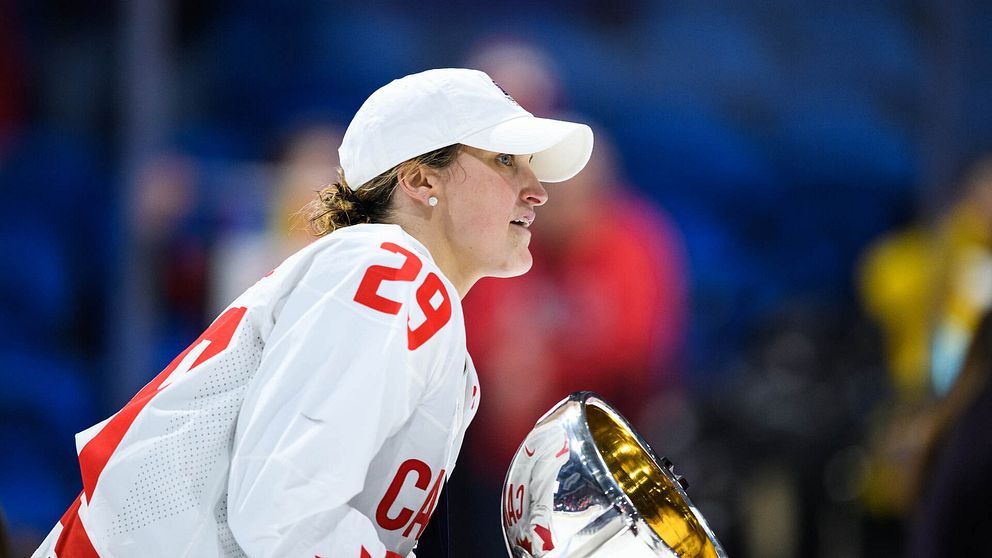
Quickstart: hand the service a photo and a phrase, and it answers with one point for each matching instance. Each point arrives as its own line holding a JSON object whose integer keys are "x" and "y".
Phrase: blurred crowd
{"x": 754, "y": 268}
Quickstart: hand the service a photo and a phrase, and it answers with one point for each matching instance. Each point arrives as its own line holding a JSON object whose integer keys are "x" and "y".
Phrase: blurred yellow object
{"x": 927, "y": 287}
{"x": 927, "y": 292}
{"x": 897, "y": 279}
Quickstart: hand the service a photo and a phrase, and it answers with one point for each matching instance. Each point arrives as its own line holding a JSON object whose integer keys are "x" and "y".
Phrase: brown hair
{"x": 337, "y": 205}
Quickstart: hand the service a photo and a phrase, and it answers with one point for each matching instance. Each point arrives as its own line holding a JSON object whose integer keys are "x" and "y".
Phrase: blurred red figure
{"x": 603, "y": 309}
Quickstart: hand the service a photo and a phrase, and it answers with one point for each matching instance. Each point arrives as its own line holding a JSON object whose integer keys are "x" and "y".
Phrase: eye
{"x": 505, "y": 159}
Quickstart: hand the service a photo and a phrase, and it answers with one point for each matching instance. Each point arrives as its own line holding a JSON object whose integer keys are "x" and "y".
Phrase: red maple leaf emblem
{"x": 525, "y": 544}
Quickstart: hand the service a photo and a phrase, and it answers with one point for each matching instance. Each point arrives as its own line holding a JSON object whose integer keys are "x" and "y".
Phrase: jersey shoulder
{"x": 392, "y": 254}
{"x": 388, "y": 276}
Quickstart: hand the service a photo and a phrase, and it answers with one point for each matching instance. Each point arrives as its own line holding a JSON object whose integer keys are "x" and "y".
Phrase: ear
{"x": 416, "y": 182}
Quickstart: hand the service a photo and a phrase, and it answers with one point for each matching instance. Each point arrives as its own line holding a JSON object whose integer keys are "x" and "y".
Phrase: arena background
{"x": 817, "y": 167}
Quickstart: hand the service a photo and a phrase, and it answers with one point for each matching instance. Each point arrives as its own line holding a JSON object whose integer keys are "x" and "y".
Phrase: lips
{"x": 524, "y": 220}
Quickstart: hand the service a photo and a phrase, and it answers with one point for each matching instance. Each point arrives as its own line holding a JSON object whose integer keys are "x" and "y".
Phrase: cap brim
{"x": 561, "y": 149}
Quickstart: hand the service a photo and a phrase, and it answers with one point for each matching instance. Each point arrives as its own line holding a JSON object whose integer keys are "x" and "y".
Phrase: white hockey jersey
{"x": 317, "y": 416}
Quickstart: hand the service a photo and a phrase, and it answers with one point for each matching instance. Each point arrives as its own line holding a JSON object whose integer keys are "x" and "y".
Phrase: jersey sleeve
{"x": 333, "y": 386}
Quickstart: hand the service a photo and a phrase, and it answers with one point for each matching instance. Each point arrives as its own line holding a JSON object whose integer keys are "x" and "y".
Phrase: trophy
{"x": 585, "y": 484}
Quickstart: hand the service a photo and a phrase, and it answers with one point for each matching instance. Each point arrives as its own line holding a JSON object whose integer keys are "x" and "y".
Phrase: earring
{"x": 432, "y": 201}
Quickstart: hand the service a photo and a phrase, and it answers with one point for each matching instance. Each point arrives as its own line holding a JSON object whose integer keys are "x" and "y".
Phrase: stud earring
{"x": 432, "y": 201}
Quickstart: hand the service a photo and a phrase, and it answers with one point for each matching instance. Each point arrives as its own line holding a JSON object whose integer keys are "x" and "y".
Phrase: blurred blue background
{"x": 147, "y": 152}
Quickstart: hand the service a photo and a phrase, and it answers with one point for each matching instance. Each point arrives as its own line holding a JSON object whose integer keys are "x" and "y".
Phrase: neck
{"x": 433, "y": 238}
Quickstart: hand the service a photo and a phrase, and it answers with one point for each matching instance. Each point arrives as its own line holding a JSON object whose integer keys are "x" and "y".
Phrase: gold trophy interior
{"x": 653, "y": 493}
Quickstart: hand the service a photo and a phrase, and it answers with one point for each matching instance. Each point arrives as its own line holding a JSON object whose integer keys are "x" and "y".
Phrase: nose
{"x": 534, "y": 193}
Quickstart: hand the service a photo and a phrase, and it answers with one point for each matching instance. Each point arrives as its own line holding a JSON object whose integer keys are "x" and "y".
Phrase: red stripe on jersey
{"x": 73, "y": 541}
{"x": 95, "y": 455}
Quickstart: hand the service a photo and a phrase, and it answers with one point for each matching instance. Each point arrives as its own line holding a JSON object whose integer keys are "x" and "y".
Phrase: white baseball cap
{"x": 422, "y": 112}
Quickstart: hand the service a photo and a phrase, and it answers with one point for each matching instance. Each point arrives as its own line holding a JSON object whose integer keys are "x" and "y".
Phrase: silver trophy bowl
{"x": 585, "y": 484}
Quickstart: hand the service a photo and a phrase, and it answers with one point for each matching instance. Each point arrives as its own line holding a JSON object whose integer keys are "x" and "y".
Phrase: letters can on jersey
{"x": 405, "y": 517}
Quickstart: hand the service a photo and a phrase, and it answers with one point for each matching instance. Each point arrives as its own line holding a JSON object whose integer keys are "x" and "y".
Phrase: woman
{"x": 320, "y": 414}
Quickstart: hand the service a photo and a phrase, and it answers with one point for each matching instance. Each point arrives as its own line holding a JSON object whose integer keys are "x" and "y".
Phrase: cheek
{"x": 488, "y": 209}
{"x": 493, "y": 219}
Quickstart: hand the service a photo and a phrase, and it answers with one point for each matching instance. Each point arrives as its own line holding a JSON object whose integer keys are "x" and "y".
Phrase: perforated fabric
{"x": 174, "y": 473}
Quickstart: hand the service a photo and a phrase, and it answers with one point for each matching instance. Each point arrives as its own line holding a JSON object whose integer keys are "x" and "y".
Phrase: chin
{"x": 516, "y": 266}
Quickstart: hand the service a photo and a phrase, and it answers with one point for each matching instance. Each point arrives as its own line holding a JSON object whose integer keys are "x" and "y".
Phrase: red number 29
{"x": 436, "y": 317}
